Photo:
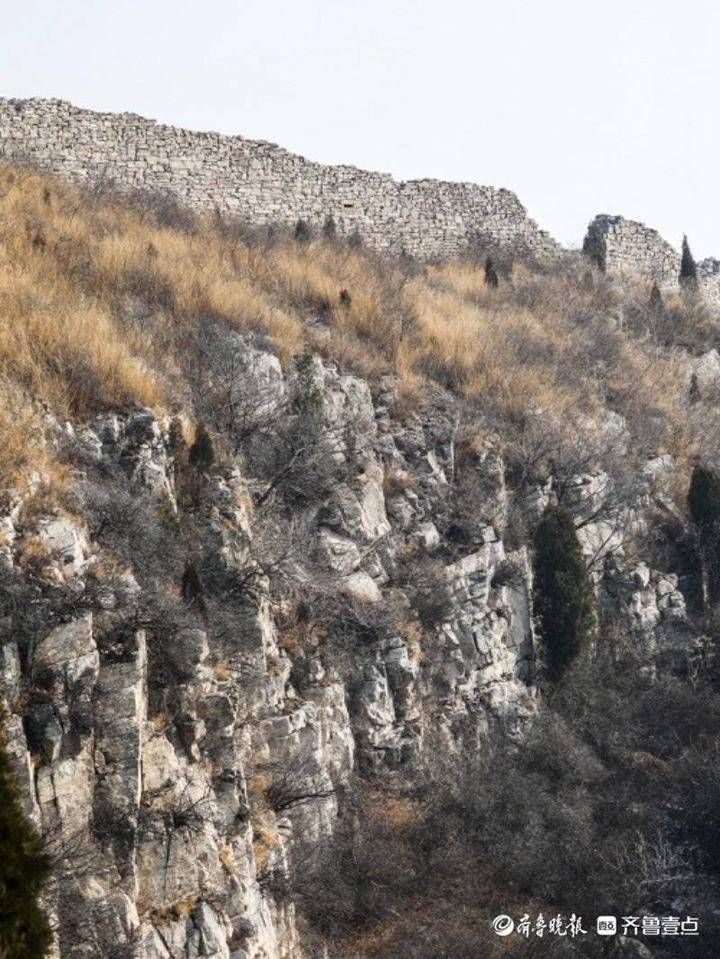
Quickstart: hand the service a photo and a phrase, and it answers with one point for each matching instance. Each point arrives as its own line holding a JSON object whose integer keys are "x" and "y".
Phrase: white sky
{"x": 579, "y": 107}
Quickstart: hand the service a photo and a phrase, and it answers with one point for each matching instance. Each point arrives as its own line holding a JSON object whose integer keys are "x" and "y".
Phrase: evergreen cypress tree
{"x": 329, "y": 228}
{"x": 656, "y": 300}
{"x": 704, "y": 504}
{"x": 694, "y": 391}
{"x": 491, "y": 277}
{"x": 688, "y": 269}
{"x": 588, "y": 281}
{"x": 562, "y": 591}
{"x": 24, "y": 868}
{"x": 302, "y": 232}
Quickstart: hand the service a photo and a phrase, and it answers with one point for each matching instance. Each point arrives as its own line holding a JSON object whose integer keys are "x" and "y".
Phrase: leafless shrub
{"x": 296, "y": 782}
{"x": 132, "y": 524}
{"x": 508, "y": 573}
{"x": 362, "y": 876}
{"x": 426, "y": 583}
{"x": 165, "y": 208}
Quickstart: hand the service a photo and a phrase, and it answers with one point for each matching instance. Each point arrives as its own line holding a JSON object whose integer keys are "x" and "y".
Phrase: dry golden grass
{"x": 180, "y": 909}
{"x": 412, "y": 635}
{"x": 21, "y": 446}
{"x": 32, "y": 553}
{"x": 221, "y": 672}
{"x": 258, "y": 786}
{"x": 265, "y": 840}
{"x": 483, "y": 350}
{"x": 99, "y": 300}
{"x": 227, "y": 860}
{"x": 56, "y": 343}
{"x": 399, "y": 812}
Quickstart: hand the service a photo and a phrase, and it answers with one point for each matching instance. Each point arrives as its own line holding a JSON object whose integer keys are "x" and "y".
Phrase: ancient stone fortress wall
{"x": 262, "y": 183}
{"x": 625, "y": 247}
{"x": 709, "y": 280}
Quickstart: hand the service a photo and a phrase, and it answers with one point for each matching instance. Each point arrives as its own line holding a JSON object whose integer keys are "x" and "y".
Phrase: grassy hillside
{"x": 101, "y": 300}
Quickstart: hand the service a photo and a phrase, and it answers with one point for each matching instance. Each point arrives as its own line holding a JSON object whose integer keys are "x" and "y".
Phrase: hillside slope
{"x": 276, "y": 680}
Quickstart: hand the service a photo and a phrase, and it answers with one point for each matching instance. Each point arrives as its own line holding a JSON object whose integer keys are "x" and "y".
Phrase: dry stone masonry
{"x": 625, "y": 247}
{"x": 262, "y": 183}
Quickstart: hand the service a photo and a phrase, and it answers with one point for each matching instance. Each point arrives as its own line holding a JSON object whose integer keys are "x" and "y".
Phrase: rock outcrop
{"x": 182, "y": 762}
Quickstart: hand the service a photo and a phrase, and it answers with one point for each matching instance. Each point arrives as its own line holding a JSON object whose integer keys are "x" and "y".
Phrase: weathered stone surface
{"x": 362, "y": 587}
{"x": 189, "y": 650}
{"x": 192, "y": 774}
{"x": 630, "y": 949}
{"x": 706, "y": 371}
{"x": 625, "y": 247}
{"x": 262, "y": 183}
{"x": 66, "y": 544}
{"x": 67, "y": 653}
{"x": 620, "y": 245}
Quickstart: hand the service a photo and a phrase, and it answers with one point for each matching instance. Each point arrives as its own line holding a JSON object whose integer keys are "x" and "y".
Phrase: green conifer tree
{"x": 192, "y": 589}
{"x": 303, "y": 233}
{"x": 656, "y": 300}
{"x": 24, "y": 868}
{"x": 562, "y": 591}
{"x": 202, "y": 452}
{"x": 491, "y": 276}
{"x": 329, "y": 228}
{"x": 688, "y": 269}
{"x": 704, "y": 504}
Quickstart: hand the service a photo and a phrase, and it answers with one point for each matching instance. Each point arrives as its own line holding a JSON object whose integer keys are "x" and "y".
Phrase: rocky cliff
{"x": 266, "y": 536}
{"x": 178, "y": 757}
{"x": 177, "y": 778}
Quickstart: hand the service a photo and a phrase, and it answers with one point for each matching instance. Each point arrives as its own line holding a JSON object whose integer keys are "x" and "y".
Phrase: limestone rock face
{"x": 65, "y": 543}
{"x": 67, "y": 654}
{"x": 189, "y": 746}
{"x": 706, "y": 372}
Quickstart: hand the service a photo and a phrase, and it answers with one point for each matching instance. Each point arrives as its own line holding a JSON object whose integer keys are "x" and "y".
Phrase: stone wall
{"x": 623, "y": 246}
{"x": 627, "y": 248}
{"x": 262, "y": 183}
{"x": 709, "y": 280}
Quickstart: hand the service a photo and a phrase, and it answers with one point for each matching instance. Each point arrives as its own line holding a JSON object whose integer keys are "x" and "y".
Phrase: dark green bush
{"x": 491, "y": 276}
{"x": 303, "y": 233}
{"x": 329, "y": 228}
{"x": 202, "y": 452}
{"x": 656, "y": 300}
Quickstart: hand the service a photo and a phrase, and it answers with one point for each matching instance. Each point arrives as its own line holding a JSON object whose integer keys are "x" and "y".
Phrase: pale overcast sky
{"x": 579, "y": 107}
